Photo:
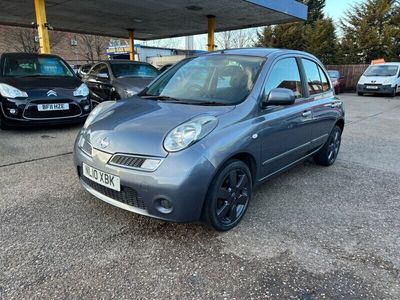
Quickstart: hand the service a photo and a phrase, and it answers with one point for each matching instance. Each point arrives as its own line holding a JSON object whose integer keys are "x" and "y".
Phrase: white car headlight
{"x": 96, "y": 111}
{"x": 388, "y": 81}
{"x": 82, "y": 91}
{"x": 9, "y": 91}
{"x": 190, "y": 132}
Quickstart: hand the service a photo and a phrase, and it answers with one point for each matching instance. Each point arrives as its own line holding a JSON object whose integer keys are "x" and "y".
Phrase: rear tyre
{"x": 228, "y": 196}
{"x": 329, "y": 152}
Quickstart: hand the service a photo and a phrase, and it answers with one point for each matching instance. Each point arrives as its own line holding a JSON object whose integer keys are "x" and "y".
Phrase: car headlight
{"x": 82, "y": 91}
{"x": 190, "y": 132}
{"x": 388, "y": 81}
{"x": 9, "y": 91}
{"x": 96, "y": 111}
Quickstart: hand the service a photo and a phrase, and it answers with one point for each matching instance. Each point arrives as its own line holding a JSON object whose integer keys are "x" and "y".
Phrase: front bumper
{"x": 182, "y": 178}
{"x": 374, "y": 89}
{"x": 17, "y": 112}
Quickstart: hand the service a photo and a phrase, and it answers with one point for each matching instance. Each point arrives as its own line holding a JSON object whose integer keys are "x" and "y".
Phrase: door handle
{"x": 306, "y": 114}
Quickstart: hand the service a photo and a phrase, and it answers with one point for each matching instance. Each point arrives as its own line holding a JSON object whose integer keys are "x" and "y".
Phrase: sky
{"x": 337, "y": 8}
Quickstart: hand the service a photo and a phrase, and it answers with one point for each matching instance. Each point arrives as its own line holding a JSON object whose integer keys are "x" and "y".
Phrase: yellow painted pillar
{"x": 211, "y": 30}
{"x": 131, "y": 45}
{"x": 44, "y": 42}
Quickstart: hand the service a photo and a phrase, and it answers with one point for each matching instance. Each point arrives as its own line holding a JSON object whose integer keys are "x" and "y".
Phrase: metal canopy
{"x": 152, "y": 19}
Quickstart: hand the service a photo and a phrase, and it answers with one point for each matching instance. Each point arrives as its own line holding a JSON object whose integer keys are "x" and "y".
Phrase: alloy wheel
{"x": 334, "y": 146}
{"x": 232, "y": 197}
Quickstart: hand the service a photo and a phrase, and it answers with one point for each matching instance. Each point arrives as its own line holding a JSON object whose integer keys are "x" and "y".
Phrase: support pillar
{"x": 131, "y": 45}
{"x": 41, "y": 20}
{"x": 211, "y": 30}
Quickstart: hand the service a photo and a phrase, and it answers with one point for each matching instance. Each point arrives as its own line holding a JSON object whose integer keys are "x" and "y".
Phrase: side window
{"x": 324, "y": 80}
{"x": 314, "y": 82}
{"x": 103, "y": 69}
{"x": 285, "y": 74}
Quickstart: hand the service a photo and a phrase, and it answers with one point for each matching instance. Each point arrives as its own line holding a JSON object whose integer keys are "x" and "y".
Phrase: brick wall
{"x": 73, "y": 54}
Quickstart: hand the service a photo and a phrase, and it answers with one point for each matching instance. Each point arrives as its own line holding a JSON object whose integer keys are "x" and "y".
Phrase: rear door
{"x": 323, "y": 102}
{"x": 285, "y": 130}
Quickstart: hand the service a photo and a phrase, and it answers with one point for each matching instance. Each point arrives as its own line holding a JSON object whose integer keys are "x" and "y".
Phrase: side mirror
{"x": 102, "y": 75}
{"x": 279, "y": 96}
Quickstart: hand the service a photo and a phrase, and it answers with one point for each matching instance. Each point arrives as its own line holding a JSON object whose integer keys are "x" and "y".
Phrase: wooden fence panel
{"x": 352, "y": 74}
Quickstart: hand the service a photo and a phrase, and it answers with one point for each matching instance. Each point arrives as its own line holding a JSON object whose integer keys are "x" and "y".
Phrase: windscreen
{"x": 218, "y": 79}
{"x": 35, "y": 66}
{"x": 381, "y": 70}
{"x": 134, "y": 70}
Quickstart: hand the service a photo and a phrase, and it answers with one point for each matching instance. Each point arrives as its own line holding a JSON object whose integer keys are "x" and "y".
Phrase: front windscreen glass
{"x": 35, "y": 66}
{"x": 381, "y": 71}
{"x": 211, "y": 79}
{"x": 133, "y": 70}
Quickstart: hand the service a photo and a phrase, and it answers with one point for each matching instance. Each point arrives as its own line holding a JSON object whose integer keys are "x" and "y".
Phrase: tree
{"x": 26, "y": 39}
{"x": 315, "y": 10}
{"x": 317, "y": 35}
{"x": 94, "y": 46}
{"x": 371, "y": 30}
{"x": 321, "y": 40}
{"x": 234, "y": 39}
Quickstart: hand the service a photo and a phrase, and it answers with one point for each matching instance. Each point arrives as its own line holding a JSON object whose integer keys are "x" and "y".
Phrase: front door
{"x": 285, "y": 130}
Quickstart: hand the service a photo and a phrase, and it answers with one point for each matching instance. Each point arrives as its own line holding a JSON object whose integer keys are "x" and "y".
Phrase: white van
{"x": 380, "y": 79}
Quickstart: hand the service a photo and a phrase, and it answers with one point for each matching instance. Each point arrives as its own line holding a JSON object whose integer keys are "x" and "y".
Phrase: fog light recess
{"x": 13, "y": 111}
{"x": 164, "y": 206}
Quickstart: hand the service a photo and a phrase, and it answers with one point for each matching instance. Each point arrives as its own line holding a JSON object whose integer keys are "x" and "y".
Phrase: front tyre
{"x": 228, "y": 196}
{"x": 393, "y": 93}
{"x": 329, "y": 152}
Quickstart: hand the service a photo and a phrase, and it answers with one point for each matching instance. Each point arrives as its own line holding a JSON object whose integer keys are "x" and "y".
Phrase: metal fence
{"x": 352, "y": 74}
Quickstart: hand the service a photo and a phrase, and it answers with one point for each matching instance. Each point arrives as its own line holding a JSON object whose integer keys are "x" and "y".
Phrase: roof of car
{"x": 263, "y": 52}
{"x": 119, "y": 61}
{"x": 26, "y": 54}
{"x": 388, "y": 64}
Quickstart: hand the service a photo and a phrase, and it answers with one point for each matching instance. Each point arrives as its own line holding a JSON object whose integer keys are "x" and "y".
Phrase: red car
{"x": 338, "y": 81}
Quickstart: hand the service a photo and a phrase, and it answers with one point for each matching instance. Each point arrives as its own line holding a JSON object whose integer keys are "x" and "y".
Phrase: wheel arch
{"x": 340, "y": 123}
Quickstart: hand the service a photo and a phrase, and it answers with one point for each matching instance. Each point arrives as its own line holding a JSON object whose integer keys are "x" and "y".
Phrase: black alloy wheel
{"x": 229, "y": 196}
{"x": 329, "y": 152}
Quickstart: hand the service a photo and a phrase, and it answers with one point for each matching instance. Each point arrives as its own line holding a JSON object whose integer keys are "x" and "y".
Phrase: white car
{"x": 380, "y": 79}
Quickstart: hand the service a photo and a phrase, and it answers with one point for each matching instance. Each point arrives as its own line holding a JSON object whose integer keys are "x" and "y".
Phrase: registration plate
{"x": 53, "y": 106}
{"x": 105, "y": 179}
{"x": 372, "y": 87}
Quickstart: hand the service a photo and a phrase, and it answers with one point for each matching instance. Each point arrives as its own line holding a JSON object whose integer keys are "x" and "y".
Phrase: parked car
{"x": 198, "y": 139}
{"x": 165, "y": 67}
{"x": 118, "y": 79}
{"x": 338, "y": 81}
{"x": 84, "y": 70}
{"x": 380, "y": 79}
{"x": 40, "y": 89}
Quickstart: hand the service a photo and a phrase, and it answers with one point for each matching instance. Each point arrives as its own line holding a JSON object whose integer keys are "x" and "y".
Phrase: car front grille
{"x": 31, "y": 111}
{"x": 127, "y": 195}
{"x": 127, "y": 161}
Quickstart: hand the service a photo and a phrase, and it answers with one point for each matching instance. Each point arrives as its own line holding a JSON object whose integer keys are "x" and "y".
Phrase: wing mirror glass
{"x": 279, "y": 96}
